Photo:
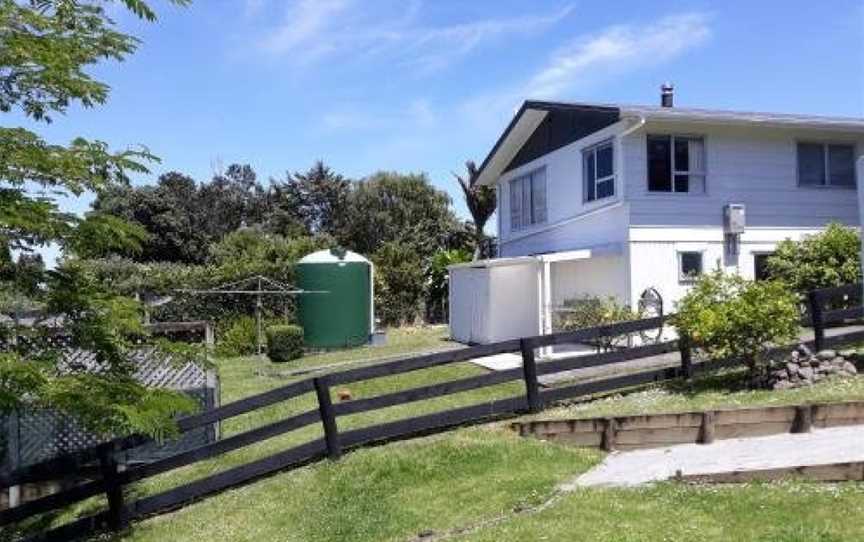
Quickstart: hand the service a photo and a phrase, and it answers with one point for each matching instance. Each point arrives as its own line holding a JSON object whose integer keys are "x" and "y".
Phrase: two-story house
{"x": 635, "y": 201}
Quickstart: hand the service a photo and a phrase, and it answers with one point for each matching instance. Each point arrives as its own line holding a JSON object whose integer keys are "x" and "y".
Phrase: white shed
{"x": 511, "y": 298}
{"x": 494, "y": 300}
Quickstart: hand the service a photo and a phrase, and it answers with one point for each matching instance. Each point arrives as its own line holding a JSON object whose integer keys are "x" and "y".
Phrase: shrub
{"x": 284, "y": 342}
{"x": 592, "y": 311}
{"x": 829, "y": 258}
{"x": 239, "y": 339}
{"x": 728, "y": 316}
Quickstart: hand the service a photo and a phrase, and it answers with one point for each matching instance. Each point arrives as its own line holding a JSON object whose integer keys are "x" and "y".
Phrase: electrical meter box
{"x": 734, "y": 218}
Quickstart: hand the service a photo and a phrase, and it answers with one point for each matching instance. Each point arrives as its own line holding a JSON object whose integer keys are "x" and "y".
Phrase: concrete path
{"x": 502, "y": 362}
{"x": 819, "y": 447}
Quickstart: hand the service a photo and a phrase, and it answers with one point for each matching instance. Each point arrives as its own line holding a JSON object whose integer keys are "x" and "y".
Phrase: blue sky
{"x": 424, "y": 85}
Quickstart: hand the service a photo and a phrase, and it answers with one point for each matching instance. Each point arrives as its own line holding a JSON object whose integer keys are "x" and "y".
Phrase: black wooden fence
{"x": 112, "y": 478}
{"x": 833, "y": 306}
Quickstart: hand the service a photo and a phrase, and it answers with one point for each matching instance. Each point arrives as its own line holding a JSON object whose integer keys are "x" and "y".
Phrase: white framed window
{"x": 676, "y": 163}
{"x": 598, "y": 171}
{"x": 826, "y": 164}
{"x": 690, "y": 265}
{"x": 528, "y": 200}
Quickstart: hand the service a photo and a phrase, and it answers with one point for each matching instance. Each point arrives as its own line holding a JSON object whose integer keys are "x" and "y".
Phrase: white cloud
{"x": 305, "y": 27}
{"x": 313, "y": 29}
{"x": 417, "y": 114}
{"x": 616, "y": 49}
{"x": 588, "y": 61}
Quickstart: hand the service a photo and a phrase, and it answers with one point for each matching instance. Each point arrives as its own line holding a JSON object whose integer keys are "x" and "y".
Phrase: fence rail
{"x": 110, "y": 478}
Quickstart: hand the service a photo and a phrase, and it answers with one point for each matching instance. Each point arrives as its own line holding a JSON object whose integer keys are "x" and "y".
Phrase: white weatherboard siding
{"x": 754, "y": 166}
{"x": 564, "y": 195}
{"x": 654, "y": 256}
{"x": 601, "y": 276}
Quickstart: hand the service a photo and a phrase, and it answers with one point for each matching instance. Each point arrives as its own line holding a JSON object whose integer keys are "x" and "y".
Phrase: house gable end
{"x": 561, "y": 126}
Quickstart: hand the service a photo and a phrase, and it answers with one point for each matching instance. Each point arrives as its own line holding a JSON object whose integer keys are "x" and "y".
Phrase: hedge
{"x": 284, "y": 342}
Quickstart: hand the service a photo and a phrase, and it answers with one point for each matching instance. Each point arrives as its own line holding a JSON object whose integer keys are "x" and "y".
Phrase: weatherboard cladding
{"x": 561, "y": 126}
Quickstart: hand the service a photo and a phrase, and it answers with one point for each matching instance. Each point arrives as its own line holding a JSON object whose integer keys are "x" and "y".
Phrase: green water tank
{"x": 337, "y": 311}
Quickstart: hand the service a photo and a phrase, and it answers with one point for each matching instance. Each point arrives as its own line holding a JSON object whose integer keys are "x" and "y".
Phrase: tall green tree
{"x": 183, "y": 218}
{"x": 480, "y": 200}
{"x": 315, "y": 201}
{"x": 393, "y": 207}
{"x": 46, "y": 48}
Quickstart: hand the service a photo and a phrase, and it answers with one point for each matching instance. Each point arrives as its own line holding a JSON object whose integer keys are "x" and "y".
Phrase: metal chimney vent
{"x": 667, "y": 92}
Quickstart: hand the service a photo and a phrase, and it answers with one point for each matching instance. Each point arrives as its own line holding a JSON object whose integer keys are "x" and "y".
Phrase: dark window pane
{"x": 811, "y": 164}
{"x": 606, "y": 189}
{"x": 760, "y": 266}
{"x": 604, "y": 161}
{"x": 841, "y": 165}
{"x": 682, "y": 183}
{"x": 659, "y": 164}
{"x": 590, "y": 193}
{"x": 682, "y": 155}
{"x": 538, "y": 197}
{"x": 691, "y": 264}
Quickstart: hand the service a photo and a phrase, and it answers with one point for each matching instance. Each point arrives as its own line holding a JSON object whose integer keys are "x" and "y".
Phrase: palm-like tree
{"x": 480, "y": 201}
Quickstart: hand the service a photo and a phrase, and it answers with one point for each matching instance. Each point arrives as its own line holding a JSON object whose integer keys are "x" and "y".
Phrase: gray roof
{"x": 531, "y": 113}
{"x": 742, "y": 117}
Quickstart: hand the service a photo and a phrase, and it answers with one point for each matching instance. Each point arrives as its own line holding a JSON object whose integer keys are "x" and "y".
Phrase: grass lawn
{"x": 724, "y": 390}
{"x": 485, "y": 480}
{"x": 481, "y": 480}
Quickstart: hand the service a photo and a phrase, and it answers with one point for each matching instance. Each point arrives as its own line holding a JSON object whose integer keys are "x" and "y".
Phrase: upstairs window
{"x": 528, "y": 200}
{"x": 826, "y": 164}
{"x": 599, "y": 171}
{"x": 676, "y": 164}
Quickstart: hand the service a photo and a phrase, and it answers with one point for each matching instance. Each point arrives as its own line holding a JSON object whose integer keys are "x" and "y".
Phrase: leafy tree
{"x": 728, "y": 316}
{"x": 399, "y": 285}
{"x": 391, "y": 207}
{"x": 46, "y": 48}
{"x": 316, "y": 201}
{"x": 182, "y": 219}
{"x": 437, "y": 281}
{"x": 481, "y": 203}
{"x": 829, "y": 258}
{"x": 167, "y": 211}
{"x": 230, "y": 200}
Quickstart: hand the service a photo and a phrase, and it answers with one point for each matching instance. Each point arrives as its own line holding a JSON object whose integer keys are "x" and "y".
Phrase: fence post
{"x": 113, "y": 487}
{"x": 686, "y": 355}
{"x": 816, "y": 317}
{"x": 529, "y": 372}
{"x": 328, "y": 418}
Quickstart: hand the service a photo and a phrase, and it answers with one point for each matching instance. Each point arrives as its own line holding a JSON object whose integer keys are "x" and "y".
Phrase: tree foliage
{"x": 829, "y": 258}
{"x": 438, "y": 281}
{"x": 47, "y": 48}
{"x": 728, "y": 316}
{"x": 481, "y": 203}
{"x": 390, "y": 207}
{"x": 183, "y": 219}
{"x": 315, "y": 202}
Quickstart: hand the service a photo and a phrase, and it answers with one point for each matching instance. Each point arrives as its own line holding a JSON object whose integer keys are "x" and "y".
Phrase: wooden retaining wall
{"x": 659, "y": 430}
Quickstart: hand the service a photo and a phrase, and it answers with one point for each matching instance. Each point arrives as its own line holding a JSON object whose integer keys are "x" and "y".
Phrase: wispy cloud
{"x": 591, "y": 60}
{"x": 306, "y": 28}
{"x": 313, "y": 29}
{"x": 616, "y": 49}
{"x": 417, "y": 114}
